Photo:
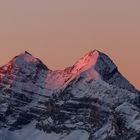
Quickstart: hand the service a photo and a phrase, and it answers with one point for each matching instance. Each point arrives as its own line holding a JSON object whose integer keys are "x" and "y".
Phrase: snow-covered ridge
{"x": 95, "y": 65}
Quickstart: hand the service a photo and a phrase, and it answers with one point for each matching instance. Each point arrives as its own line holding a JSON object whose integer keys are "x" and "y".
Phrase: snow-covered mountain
{"x": 89, "y": 101}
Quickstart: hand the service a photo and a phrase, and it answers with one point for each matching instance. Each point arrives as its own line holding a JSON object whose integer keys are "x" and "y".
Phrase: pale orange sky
{"x": 60, "y": 31}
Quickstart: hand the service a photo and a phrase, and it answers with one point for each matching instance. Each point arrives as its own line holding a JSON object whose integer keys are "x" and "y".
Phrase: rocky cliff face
{"x": 89, "y": 101}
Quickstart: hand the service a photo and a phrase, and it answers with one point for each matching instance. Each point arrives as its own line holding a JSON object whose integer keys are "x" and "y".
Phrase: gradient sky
{"x": 61, "y": 31}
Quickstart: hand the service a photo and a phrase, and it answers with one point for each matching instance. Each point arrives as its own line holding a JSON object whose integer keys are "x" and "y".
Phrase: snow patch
{"x": 30, "y": 133}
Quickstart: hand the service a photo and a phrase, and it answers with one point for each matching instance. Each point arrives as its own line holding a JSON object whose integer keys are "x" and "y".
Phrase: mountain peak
{"x": 23, "y": 61}
{"x": 26, "y": 52}
{"x": 100, "y": 61}
{"x": 25, "y": 57}
{"x": 97, "y": 65}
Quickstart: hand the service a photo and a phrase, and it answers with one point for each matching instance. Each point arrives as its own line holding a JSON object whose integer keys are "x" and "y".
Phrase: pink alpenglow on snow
{"x": 86, "y": 62}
